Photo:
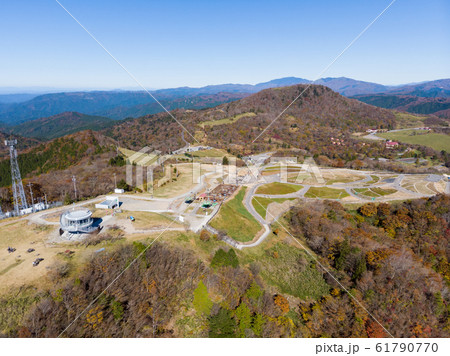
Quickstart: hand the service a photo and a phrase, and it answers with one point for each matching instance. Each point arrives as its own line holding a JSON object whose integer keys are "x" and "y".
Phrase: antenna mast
{"x": 74, "y": 180}
{"x": 20, "y": 202}
{"x": 31, "y": 195}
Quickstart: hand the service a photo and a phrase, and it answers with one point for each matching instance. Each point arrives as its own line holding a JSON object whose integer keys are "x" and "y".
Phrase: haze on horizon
{"x": 174, "y": 43}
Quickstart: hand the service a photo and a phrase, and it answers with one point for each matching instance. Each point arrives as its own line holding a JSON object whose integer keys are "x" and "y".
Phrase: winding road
{"x": 348, "y": 187}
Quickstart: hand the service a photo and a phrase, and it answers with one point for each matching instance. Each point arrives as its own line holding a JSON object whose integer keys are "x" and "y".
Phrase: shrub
{"x": 369, "y": 209}
{"x": 254, "y": 292}
{"x": 117, "y": 161}
{"x": 123, "y": 185}
{"x": 222, "y": 259}
{"x": 117, "y": 309}
{"x": 282, "y": 303}
{"x": 202, "y": 303}
{"x": 204, "y": 235}
{"x": 222, "y": 324}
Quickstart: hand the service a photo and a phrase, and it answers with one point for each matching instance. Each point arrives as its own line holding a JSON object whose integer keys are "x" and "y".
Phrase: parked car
{"x": 37, "y": 261}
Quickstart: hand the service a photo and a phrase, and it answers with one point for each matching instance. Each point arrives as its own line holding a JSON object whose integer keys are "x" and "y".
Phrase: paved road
{"x": 132, "y": 202}
{"x": 197, "y": 222}
{"x": 348, "y": 187}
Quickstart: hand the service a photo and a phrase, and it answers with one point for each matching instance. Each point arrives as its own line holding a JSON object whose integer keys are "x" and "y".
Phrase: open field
{"x": 148, "y": 158}
{"x": 375, "y": 192}
{"x": 180, "y": 184}
{"x": 326, "y": 193}
{"x": 227, "y": 120}
{"x": 374, "y": 179}
{"x": 277, "y": 188}
{"x": 215, "y": 152}
{"x": 436, "y": 141}
{"x": 16, "y": 268}
{"x": 235, "y": 220}
{"x": 286, "y": 266}
{"x": 404, "y": 120}
{"x": 147, "y": 220}
{"x": 260, "y": 204}
{"x": 341, "y": 176}
{"x": 277, "y": 168}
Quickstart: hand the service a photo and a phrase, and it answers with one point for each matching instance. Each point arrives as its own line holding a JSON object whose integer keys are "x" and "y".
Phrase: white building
{"x": 109, "y": 203}
{"x": 77, "y": 221}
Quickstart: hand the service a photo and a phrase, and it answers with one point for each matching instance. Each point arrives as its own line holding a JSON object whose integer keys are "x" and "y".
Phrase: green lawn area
{"x": 278, "y": 167}
{"x": 235, "y": 220}
{"x": 374, "y": 192}
{"x": 344, "y": 179}
{"x": 289, "y": 268}
{"x": 260, "y": 204}
{"x": 404, "y": 120}
{"x": 374, "y": 180}
{"x": 227, "y": 120}
{"x": 278, "y": 188}
{"x": 326, "y": 193}
{"x": 141, "y": 157}
{"x": 436, "y": 141}
{"x": 215, "y": 152}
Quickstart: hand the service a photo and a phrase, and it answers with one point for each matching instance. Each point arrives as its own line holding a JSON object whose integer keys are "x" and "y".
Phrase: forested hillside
{"x": 66, "y": 123}
{"x": 308, "y": 124}
{"x": 56, "y": 155}
{"x": 413, "y": 104}
{"x": 23, "y": 143}
{"x": 392, "y": 259}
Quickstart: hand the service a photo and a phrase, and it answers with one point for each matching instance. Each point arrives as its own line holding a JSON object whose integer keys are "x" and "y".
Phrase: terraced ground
{"x": 341, "y": 177}
{"x": 375, "y": 179}
{"x": 374, "y": 192}
{"x": 260, "y": 204}
{"x": 326, "y": 193}
{"x": 149, "y": 158}
{"x": 277, "y": 188}
{"x": 419, "y": 185}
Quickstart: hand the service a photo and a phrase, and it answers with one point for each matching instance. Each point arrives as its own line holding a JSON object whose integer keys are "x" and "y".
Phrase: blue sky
{"x": 194, "y": 43}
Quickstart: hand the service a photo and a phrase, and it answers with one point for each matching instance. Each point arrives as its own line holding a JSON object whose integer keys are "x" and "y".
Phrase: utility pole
{"x": 115, "y": 181}
{"x": 31, "y": 194}
{"x": 16, "y": 179}
{"x": 74, "y": 180}
{"x": 45, "y": 196}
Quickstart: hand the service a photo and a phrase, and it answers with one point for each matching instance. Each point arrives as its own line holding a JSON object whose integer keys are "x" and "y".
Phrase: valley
{"x": 267, "y": 218}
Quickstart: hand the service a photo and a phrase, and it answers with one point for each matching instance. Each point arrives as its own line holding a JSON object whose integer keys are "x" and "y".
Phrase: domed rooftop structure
{"x": 77, "y": 221}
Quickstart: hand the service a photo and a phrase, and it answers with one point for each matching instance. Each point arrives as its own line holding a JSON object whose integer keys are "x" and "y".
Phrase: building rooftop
{"x": 78, "y": 214}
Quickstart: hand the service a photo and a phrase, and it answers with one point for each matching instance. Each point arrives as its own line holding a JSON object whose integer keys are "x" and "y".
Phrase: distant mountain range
{"x": 413, "y": 104}
{"x": 66, "y": 123}
{"x": 320, "y": 113}
{"x": 113, "y": 104}
{"x": 19, "y": 108}
{"x": 423, "y": 98}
